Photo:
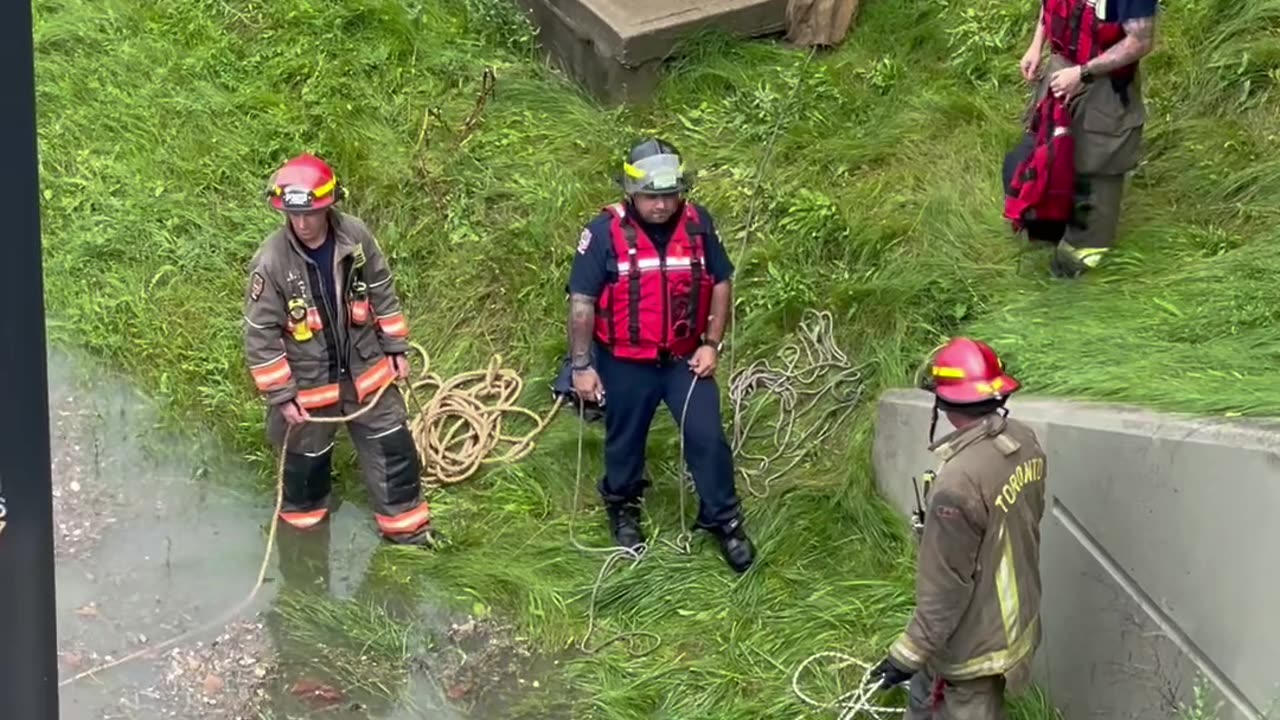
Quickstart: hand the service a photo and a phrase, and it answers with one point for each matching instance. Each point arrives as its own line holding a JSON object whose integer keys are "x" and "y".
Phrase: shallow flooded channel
{"x": 157, "y": 535}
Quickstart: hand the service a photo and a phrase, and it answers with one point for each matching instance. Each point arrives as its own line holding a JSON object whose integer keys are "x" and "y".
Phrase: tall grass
{"x": 160, "y": 122}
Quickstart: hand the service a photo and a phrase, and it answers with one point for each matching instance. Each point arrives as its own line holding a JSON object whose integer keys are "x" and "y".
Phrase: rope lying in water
{"x": 262, "y": 569}
{"x": 449, "y": 456}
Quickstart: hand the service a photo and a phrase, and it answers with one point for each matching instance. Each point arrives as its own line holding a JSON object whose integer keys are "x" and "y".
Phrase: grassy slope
{"x": 160, "y": 123}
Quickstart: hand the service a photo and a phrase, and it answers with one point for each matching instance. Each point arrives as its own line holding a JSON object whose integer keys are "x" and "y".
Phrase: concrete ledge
{"x": 614, "y": 47}
{"x": 1158, "y": 557}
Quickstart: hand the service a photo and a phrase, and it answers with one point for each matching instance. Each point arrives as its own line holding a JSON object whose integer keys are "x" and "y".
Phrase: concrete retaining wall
{"x": 1160, "y": 556}
{"x": 614, "y": 48}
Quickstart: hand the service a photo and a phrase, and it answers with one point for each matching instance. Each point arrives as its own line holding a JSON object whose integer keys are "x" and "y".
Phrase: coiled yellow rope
{"x": 460, "y": 427}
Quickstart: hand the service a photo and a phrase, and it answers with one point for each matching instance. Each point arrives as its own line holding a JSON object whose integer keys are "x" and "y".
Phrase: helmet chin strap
{"x": 933, "y": 423}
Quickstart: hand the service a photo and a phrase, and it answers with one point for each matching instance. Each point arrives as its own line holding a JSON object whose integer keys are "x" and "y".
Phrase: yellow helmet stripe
{"x": 325, "y": 189}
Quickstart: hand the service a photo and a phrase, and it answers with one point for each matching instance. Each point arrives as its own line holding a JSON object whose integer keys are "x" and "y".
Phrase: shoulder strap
{"x": 1074, "y": 29}
{"x": 633, "y": 273}
{"x": 694, "y": 227}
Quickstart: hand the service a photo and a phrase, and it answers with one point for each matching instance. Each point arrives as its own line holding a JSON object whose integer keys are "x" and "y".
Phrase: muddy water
{"x": 157, "y": 535}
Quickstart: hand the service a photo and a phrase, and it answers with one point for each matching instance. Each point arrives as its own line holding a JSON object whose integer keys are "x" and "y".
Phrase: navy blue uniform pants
{"x": 632, "y": 393}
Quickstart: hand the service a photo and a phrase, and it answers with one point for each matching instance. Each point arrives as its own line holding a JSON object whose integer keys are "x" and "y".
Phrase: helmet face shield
{"x": 661, "y": 174}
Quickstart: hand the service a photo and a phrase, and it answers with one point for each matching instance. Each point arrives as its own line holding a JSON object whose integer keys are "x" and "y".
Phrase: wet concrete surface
{"x": 157, "y": 535}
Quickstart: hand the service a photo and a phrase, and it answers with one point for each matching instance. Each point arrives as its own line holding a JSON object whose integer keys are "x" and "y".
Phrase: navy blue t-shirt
{"x": 323, "y": 258}
{"x": 595, "y": 263}
{"x": 1126, "y": 10}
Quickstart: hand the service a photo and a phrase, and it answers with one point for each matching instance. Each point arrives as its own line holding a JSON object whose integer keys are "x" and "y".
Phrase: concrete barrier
{"x": 614, "y": 48}
{"x": 1160, "y": 556}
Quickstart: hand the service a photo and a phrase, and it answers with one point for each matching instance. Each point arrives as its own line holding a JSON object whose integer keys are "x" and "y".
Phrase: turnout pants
{"x": 1108, "y": 129}
{"x": 388, "y": 459}
{"x": 932, "y": 698}
{"x": 632, "y": 393}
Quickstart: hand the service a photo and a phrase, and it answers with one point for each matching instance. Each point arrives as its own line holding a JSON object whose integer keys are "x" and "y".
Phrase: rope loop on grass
{"x": 853, "y": 704}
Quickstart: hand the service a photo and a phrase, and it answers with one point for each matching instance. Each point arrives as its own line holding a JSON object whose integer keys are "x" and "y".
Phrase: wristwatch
{"x": 1086, "y": 75}
{"x": 717, "y": 345}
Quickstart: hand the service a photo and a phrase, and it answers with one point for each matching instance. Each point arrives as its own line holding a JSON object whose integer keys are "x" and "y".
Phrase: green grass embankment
{"x": 160, "y": 123}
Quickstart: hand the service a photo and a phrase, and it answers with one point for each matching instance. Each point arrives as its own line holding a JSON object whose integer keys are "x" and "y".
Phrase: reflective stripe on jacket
{"x": 978, "y": 582}
{"x": 299, "y": 347}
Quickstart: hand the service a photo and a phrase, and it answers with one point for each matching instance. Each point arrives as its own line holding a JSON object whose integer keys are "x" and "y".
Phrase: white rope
{"x": 812, "y": 366}
{"x": 853, "y": 704}
{"x": 614, "y": 554}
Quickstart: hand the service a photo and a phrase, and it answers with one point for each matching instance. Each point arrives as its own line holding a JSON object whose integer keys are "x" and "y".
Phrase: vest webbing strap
{"x": 694, "y": 229}
{"x": 633, "y": 316}
{"x": 1074, "y": 31}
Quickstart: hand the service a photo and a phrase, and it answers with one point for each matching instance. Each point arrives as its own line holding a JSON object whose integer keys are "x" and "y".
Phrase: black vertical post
{"x": 28, "y": 616}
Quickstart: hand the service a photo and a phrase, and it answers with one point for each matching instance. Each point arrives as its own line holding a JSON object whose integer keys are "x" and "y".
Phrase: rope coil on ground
{"x": 806, "y": 361}
{"x": 853, "y": 704}
{"x": 460, "y": 426}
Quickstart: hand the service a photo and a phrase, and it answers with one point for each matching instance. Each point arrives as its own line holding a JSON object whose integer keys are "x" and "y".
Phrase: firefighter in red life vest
{"x": 976, "y": 626}
{"x": 649, "y": 294}
{"x": 323, "y": 331}
{"x": 1095, "y": 46}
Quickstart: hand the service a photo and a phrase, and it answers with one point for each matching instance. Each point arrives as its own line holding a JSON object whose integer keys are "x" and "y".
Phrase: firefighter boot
{"x": 425, "y": 536}
{"x": 624, "y": 522}
{"x": 735, "y": 546}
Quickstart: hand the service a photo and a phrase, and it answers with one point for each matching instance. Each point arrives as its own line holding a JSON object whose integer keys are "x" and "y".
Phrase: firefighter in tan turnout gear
{"x": 976, "y": 624}
{"x": 323, "y": 332}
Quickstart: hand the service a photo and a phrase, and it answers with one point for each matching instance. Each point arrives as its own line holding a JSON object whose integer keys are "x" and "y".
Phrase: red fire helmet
{"x": 303, "y": 184}
{"x": 968, "y": 371}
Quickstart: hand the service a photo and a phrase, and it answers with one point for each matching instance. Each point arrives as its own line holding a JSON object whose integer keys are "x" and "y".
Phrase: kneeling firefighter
{"x": 649, "y": 290}
{"x": 323, "y": 332}
{"x": 976, "y": 625}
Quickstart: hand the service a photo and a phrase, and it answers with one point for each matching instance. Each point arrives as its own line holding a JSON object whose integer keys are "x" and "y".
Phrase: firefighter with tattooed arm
{"x": 976, "y": 625}
{"x": 323, "y": 333}
{"x": 1095, "y": 47}
{"x": 650, "y": 289}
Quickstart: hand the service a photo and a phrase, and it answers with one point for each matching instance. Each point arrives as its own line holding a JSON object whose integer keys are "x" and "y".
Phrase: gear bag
{"x": 1040, "y": 190}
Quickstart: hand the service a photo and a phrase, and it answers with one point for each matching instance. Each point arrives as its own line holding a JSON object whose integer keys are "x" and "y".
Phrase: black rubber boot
{"x": 735, "y": 546}
{"x": 624, "y": 522}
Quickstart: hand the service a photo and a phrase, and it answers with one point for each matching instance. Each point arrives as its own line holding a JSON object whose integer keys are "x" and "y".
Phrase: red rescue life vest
{"x": 1043, "y": 185}
{"x": 1075, "y": 33}
{"x": 657, "y": 303}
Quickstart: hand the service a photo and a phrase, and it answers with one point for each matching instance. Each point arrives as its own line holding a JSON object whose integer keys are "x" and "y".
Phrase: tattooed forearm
{"x": 582, "y": 316}
{"x": 720, "y": 298}
{"x": 1139, "y": 40}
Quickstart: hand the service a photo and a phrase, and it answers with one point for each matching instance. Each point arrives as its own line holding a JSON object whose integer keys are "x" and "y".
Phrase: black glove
{"x": 889, "y": 674}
